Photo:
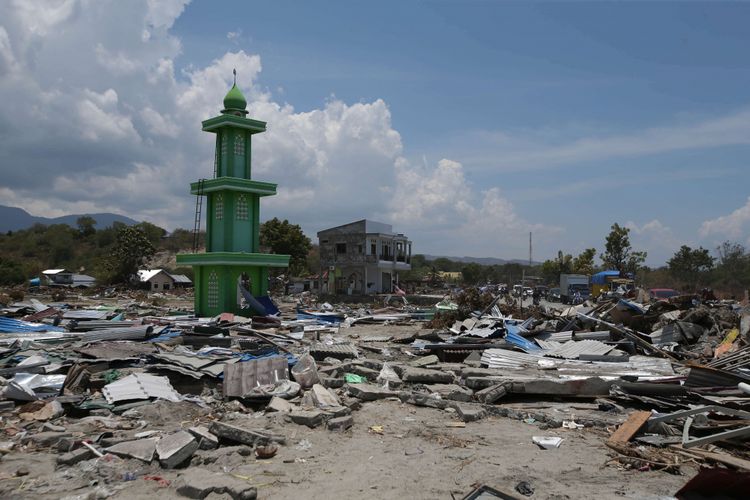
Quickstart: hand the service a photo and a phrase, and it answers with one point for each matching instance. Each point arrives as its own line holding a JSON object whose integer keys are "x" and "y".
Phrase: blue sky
{"x": 465, "y": 124}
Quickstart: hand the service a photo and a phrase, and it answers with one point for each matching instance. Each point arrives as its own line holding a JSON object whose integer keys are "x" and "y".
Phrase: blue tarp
{"x": 601, "y": 278}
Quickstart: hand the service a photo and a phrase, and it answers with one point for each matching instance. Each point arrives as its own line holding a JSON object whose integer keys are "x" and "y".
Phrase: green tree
{"x": 584, "y": 263}
{"x": 619, "y": 254}
{"x": 153, "y": 232}
{"x": 86, "y": 225}
{"x": 690, "y": 266}
{"x": 552, "y": 269}
{"x": 733, "y": 270}
{"x": 281, "y": 237}
{"x": 11, "y": 272}
{"x": 132, "y": 249}
{"x": 472, "y": 273}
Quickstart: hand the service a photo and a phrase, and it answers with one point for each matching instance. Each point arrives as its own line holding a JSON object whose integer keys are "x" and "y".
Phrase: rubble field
{"x": 618, "y": 399}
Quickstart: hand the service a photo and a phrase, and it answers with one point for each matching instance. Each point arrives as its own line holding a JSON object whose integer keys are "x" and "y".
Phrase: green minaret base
{"x": 232, "y": 217}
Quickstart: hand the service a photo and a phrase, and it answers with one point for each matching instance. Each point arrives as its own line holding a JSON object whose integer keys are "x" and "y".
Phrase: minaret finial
{"x": 235, "y": 75}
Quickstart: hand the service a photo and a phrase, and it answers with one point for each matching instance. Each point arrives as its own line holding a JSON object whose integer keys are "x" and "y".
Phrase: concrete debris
{"x": 140, "y": 449}
{"x": 209, "y": 397}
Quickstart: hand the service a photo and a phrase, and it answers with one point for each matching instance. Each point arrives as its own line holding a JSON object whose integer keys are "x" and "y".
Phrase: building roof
{"x": 367, "y": 226}
{"x": 55, "y": 271}
{"x": 147, "y": 274}
{"x": 234, "y": 99}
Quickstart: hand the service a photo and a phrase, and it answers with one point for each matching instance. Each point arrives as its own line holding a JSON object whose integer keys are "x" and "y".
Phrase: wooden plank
{"x": 629, "y": 428}
{"x": 715, "y": 456}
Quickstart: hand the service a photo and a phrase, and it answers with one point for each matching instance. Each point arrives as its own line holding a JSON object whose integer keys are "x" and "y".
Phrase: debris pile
{"x": 165, "y": 396}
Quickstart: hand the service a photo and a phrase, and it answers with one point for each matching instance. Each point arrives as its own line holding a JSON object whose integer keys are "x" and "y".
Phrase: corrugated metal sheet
{"x": 335, "y": 350}
{"x": 572, "y": 349}
{"x": 85, "y": 314}
{"x": 134, "y": 333}
{"x": 10, "y": 325}
{"x": 140, "y": 386}
{"x": 504, "y": 358}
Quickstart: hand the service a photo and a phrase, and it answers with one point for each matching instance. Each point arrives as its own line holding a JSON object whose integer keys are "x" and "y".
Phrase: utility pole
{"x": 529, "y": 248}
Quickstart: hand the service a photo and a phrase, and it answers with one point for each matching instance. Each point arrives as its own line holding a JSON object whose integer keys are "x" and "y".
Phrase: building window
{"x": 156, "y": 286}
{"x": 373, "y": 247}
{"x": 213, "y": 290}
{"x": 239, "y": 144}
{"x": 242, "y": 207}
{"x": 340, "y": 248}
{"x": 166, "y": 286}
{"x": 359, "y": 249}
{"x": 224, "y": 144}
{"x": 216, "y": 161}
{"x": 219, "y": 207}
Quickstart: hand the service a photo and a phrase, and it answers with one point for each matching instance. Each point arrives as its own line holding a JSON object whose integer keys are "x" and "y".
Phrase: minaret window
{"x": 219, "y": 207}
{"x": 224, "y": 144}
{"x": 239, "y": 144}
{"x": 213, "y": 290}
{"x": 242, "y": 207}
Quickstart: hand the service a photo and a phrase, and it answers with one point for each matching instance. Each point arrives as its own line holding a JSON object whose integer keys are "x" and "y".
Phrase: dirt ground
{"x": 394, "y": 450}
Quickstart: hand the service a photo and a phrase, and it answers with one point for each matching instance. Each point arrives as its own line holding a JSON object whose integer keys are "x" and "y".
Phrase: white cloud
{"x": 121, "y": 133}
{"x": 735, "y": 225}
{"x": 234, "y": 35}
{"x": 547, "y": 149}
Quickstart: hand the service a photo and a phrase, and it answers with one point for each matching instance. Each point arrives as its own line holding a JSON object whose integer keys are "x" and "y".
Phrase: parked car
{"x": 553, "y": 295}
{"x": 662, "y": 293}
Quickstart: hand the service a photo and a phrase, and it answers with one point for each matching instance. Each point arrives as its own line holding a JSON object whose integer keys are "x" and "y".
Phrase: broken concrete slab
{"x": 48, "y": 438}
{"x": 176, "y": 448}
{"x": 206, "y": 457}
{"x": 245, "y": 436}
{"x": 323, "y": 398}
{"x": 280, "y": 405}
{"x": 424, "y": 376}
{"x": 340, "y": 423}
{"x": 423, "y": 399}
{"x": 424, "y": 361}
{"x": 206, "y": 440}
{"x": 469, "y": 413}
{"x": 75, "y": 456}
{"x": 140, "y": 449}
{"x": 310, "y": 418}
{"x": 452, "y": 392}
{"x": 369, "y": 392}
{"x": 492, "y": 393}
{"x": 200, "y": 483}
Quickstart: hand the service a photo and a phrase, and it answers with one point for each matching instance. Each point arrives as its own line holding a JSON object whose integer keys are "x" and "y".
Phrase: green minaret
{"x": 232, "y": 216}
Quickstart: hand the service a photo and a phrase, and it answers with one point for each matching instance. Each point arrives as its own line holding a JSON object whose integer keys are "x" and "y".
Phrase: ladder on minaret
{"x": 197, "y": 221}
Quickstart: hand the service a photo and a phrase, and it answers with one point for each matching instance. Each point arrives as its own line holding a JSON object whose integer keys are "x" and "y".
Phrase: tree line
{"x": 114, "y": 254}
{"x": 688, "y": 270}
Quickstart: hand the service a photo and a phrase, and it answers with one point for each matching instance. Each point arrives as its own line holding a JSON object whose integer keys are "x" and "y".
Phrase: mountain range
{"x": 14, "y": 218}
{"x": 485, "y": 261}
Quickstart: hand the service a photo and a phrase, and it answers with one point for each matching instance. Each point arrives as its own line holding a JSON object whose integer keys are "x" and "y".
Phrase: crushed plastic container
{"x": 305, "y": 372}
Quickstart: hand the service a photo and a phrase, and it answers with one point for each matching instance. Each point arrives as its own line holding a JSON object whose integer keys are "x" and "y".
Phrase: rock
{"x": 205, "y": 457}
{"x": 141, "y": 449}
{"x": 470, "y": 413}
{"x": 22, "y": 471}
{"x": 310, "y": 418}
{"x": 425, "y": 376}
{"x": 492, "y": 393}
{"x": 75, "y": 456}
{"x": 424, "y": 361}
{"x": 340, "y": 423}
{"x": 373, "y": 364}
{"x": 452, "y": 392}
{"x": 176, "y": 448}
{"x": 278, "y": 404}
{"x": 200, "y": 483}
{"x": 206, "y": 440}
{"x": 332, "y": 383}
{"x": 244, "y": 436}
{"x": 47, "y": 411}
{"x": 369, "y": 392}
